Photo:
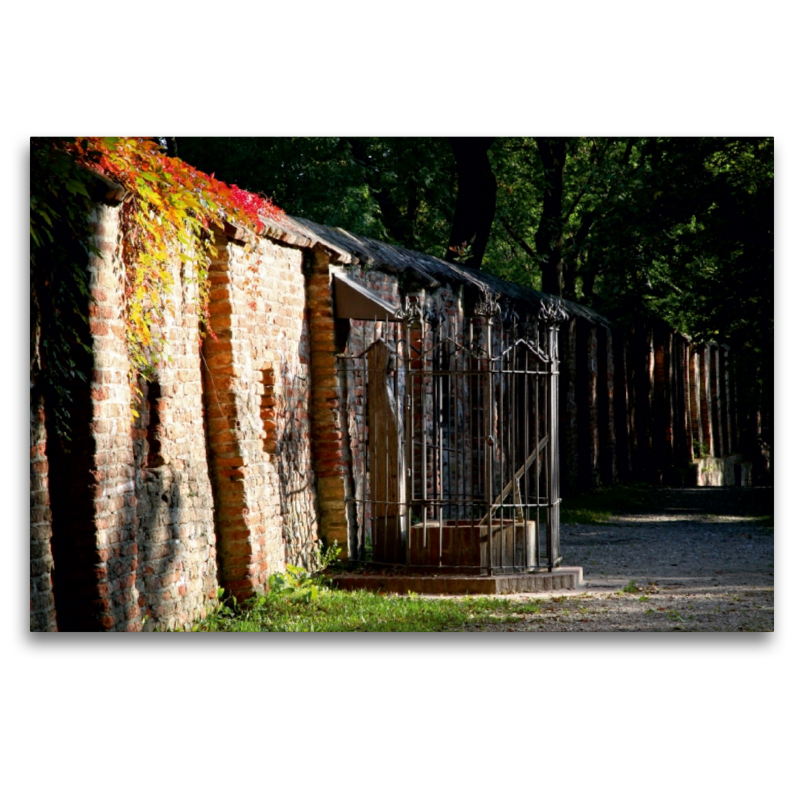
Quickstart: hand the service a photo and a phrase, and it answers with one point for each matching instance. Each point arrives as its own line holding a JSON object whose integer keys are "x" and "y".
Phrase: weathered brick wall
{"x": 360, "y": 335}
{"x": 249, "y": 448}
{"x": 447, "y": 305}
{"x": 43, "y": 608}
{"x": 91, "y": 476}
{"x": 257, "y": 396}
{"x": 133, "y": 507}
{"x": 176, "y": 543}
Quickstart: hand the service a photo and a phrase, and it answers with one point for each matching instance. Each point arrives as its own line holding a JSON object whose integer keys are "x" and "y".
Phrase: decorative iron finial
{"x": 509, "y": 314}
{"x": 489, "y": 305}
{"x": 434, "y": 316}
{"x": 410, "y": 311}
{"x": 553, "y": 312}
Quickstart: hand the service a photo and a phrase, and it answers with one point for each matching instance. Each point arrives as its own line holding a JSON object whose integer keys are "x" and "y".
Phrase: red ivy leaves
{"x": 170, "y": 210}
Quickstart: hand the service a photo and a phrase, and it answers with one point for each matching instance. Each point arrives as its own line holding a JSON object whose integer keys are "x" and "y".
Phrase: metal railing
{"x": 453, "y": 425}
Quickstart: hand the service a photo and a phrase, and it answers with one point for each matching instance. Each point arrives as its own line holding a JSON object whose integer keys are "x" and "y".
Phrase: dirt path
{"x": 698, "y": 558}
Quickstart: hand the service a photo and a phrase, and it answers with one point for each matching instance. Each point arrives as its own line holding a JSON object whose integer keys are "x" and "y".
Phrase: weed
{"x": 700, "y": 449}
{"x": 328, "y": 558}
{"x": 297, "y": 584}
{"x": 631, "y": 587}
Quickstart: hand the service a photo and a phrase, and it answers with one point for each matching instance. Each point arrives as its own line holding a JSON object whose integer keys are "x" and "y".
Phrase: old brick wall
{"x": 131, "y": 508}
{"x": 248, "y": 449}
{"x": 360, "y": 334}
{"x": 144, "y": 525}
{"x": 91, "y": 477}
{"x": 339, "y": 391}
{"x": 176, "y": 543}
{"x": 256, "y": 379}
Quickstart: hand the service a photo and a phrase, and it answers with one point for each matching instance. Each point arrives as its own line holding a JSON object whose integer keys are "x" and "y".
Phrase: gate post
{"x": 553, "y": 314}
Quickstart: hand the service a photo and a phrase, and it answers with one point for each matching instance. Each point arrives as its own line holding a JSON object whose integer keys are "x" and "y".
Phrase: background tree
{"x": 678, "y": 228}
{"x": 476, "y": 201}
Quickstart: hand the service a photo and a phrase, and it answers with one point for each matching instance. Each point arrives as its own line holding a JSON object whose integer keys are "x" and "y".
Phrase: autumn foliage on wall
{"x": 167, "y": 215}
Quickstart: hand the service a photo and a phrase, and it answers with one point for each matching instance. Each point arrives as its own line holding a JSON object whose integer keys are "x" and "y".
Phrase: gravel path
{"x": 698, "y": 559}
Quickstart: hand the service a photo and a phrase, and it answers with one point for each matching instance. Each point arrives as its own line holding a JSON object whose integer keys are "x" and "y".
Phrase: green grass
{"x": 597, "y": 507}
{"x": 335, "y": 610}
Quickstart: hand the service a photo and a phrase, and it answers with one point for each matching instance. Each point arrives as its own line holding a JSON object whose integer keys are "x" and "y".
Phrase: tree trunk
{"x": 476, "y": 201}
{"x": 549, "y": 236}
{"x": 572, "y": 255}
{"x": 399, "y": 226}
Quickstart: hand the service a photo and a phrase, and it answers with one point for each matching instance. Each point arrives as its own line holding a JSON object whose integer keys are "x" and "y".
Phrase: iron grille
{"x": 453, "y": 436}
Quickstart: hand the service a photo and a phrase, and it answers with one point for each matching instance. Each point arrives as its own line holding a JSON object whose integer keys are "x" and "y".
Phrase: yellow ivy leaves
{"x": 166, "y": 220}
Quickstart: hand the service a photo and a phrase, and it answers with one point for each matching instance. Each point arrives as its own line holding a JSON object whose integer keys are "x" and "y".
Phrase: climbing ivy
{"x": 166, "y": 217}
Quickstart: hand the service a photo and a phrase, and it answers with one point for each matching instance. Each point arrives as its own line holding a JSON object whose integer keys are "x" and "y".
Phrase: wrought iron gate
{"x": 454, "y": 439}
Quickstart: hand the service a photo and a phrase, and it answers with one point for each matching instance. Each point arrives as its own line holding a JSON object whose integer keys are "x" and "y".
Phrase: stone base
{"x": 561, "y": 578}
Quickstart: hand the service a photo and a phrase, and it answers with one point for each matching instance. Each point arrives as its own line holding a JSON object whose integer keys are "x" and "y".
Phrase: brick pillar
{"x": 115, "y": 496}
{"x": 705, "y": 399}
{"x": 329, "y": 434}
{"x": 249, "y": 545}
{"x": 686, "y": 400}
{"x": 694, "y": 401}
{"x": 715, "y": 401}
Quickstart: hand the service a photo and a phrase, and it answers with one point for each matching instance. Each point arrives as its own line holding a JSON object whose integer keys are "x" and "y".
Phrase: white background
{"x": 397, "y": 716}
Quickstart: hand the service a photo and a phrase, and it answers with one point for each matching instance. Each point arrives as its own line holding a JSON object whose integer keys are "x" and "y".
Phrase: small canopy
{"x": 354, "y": 301}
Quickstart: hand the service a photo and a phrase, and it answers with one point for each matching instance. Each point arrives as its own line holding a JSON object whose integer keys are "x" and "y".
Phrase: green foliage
{"x": 165, "y": 220}
{"x": 60, "y": 203}
{"x": 400, "y": 190}
{"x": 296, "y": 584}
{"x": 329, "y": 559}
{"x": 675, "y": 228}
{"x": 700, "y": 449}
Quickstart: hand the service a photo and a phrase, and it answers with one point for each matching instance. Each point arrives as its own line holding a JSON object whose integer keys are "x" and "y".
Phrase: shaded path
{"x": 699, "y": 560}
{"x": 699, "y": 537}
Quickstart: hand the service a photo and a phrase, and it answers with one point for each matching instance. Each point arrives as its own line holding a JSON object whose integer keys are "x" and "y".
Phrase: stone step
{"x": 561, "y": 578}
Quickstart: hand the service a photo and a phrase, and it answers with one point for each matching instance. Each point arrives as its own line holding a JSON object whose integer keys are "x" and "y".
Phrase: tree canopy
{"x": 676, "y": 227}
